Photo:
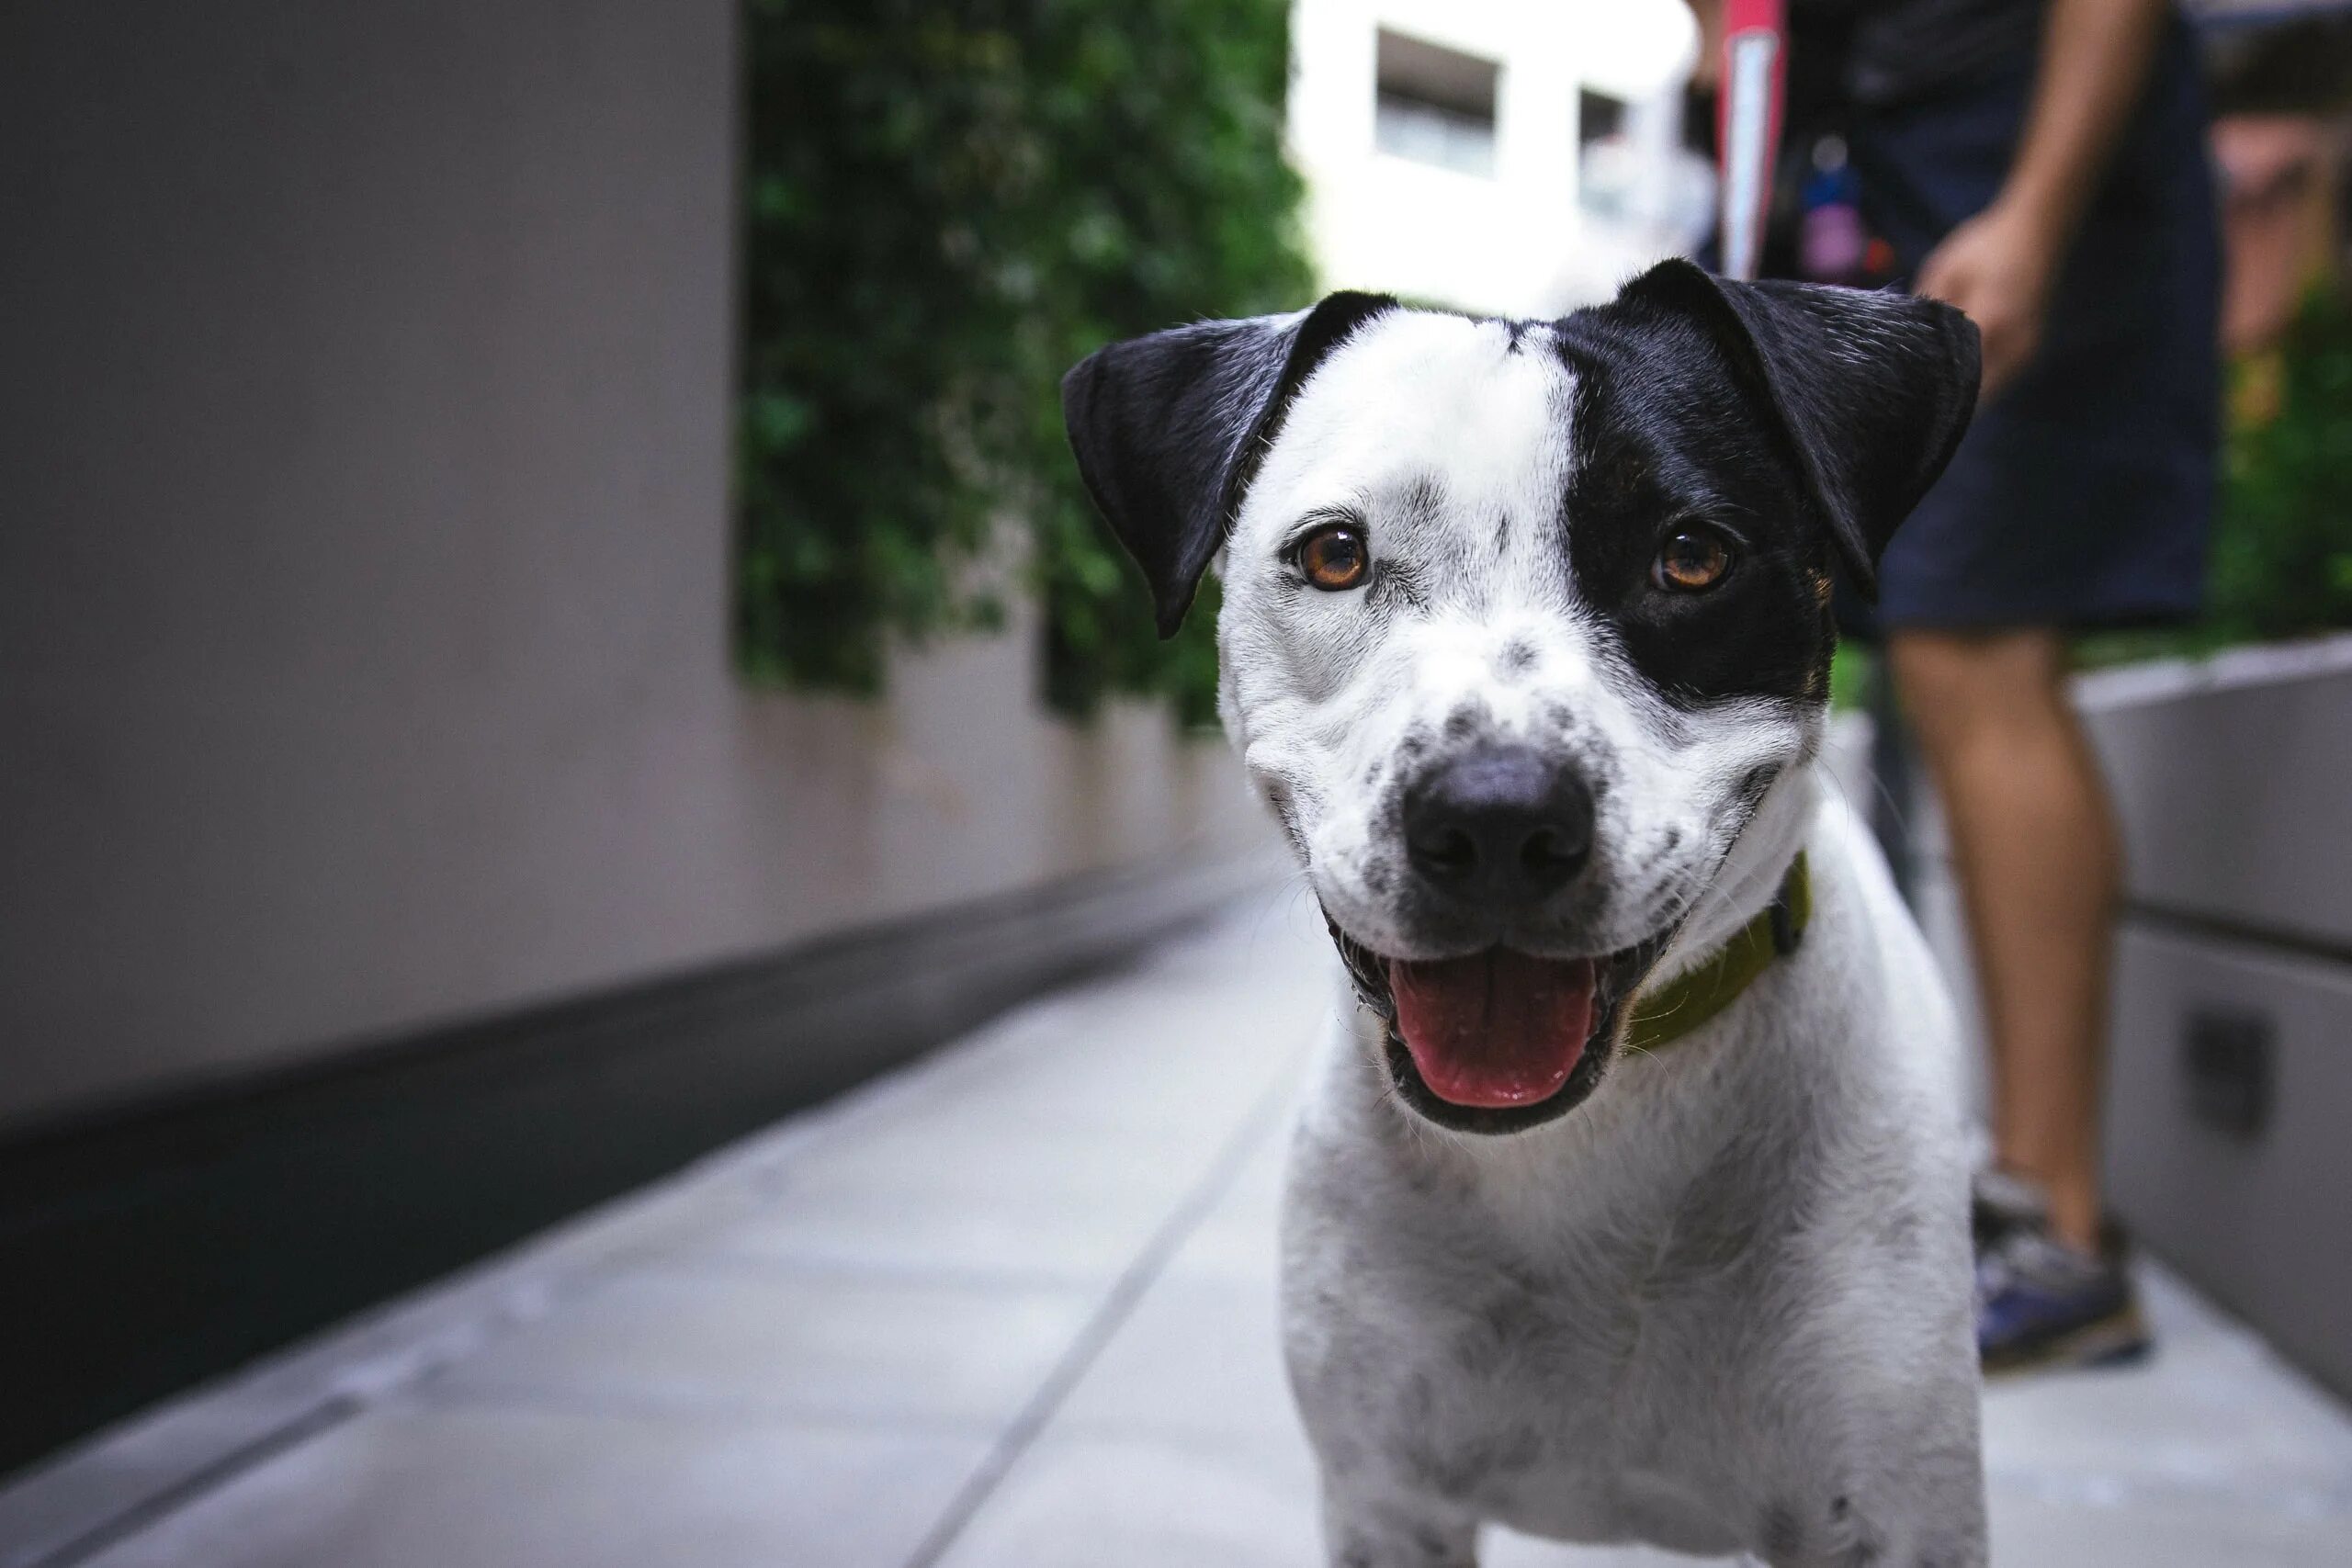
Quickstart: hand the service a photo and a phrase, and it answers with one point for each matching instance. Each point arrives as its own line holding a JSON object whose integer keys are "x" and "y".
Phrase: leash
{"x": 1754, "y": 86}
{"x": 1691, "y": 999}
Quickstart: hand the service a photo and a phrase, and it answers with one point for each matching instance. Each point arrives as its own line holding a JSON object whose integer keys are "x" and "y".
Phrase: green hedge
{"x": 2282, "y": 545}
{"x": 2282, "y": 559}
{"x": 948, "y": 204}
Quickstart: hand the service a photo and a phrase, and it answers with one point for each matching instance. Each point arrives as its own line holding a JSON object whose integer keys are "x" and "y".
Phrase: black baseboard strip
{"x": 147, "y": 1249}
{"x": 2239, "y": 933}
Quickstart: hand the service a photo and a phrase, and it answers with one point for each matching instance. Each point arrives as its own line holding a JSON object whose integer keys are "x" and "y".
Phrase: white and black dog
{"x": 1629, "y": 1201}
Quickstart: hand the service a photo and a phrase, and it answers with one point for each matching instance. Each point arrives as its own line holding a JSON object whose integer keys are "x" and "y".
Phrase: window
{"x": 1599, "y": 117}
{"x": 1435, "y": 105}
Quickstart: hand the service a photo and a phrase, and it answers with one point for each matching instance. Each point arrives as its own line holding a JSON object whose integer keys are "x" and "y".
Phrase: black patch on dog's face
{"x": 1800, "y": 424}
{"x": 1663, "y": 439}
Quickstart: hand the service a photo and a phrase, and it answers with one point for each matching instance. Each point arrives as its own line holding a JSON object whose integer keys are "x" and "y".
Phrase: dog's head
{"x": 1523, "y": 621}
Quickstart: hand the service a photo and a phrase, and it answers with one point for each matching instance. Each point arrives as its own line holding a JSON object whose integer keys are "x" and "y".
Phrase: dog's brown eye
{"x": 1335, "y": 558}
{"x": 1691, "y": 560}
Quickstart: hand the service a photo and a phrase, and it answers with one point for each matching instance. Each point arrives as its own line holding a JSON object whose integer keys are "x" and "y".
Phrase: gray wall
{"x": 364, "y": 549}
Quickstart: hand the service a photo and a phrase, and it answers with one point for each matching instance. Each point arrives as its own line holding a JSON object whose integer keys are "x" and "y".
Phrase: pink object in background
{"x": 1832, "y": 244}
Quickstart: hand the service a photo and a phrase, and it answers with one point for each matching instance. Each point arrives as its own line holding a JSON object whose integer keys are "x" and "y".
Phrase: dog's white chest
{"x": 1566, "y": 1392}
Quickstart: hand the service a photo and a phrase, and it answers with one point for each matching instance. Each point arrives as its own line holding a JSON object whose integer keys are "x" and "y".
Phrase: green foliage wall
{"x": 2282, "y": 544}
{"x": 2282, "y": 558}
{"x": 949, "y": 204}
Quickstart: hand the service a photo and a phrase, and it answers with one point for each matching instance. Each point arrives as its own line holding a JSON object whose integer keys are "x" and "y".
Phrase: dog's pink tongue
{"x": 1496, "y": 1029}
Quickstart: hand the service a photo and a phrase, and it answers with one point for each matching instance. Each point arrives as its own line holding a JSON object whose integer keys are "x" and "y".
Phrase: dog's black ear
{"x": 1873, "y": 390}
{"x": 1168, "y": 428}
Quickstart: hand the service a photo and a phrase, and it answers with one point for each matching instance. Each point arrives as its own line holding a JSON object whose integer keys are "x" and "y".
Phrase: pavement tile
{"x": 798, "y": 1351}
{"x": 1240, "y": 1237}
{"x": 2032, "y": 1530}
{"x": 1200, "y": 1359}
{"x": 518, "y": 1489}
{"x": 1092, "y": 1502}
{"x": 745, "y": 1338}
{"x": 969, "y": 1195}
{"x": 2199, "y": 1419}
{"x": 1156, "y": 1068}
{"x": 964, "y": 1152}
{"x": 953, "y": 1189}
{"x": 966, "y": 1232}
{"x": 2214, "y": 1413}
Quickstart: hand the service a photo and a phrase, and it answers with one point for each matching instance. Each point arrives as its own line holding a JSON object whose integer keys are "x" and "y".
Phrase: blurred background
{"x": 546, "y": 624}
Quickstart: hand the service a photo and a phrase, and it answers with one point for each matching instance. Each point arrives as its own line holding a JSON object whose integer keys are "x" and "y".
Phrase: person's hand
{"x": 1709, "y": 15}
{"x": 1996, "y": 267}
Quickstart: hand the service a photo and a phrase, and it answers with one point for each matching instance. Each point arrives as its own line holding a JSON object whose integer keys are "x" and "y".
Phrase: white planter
{"x": 2230, "y": 1067}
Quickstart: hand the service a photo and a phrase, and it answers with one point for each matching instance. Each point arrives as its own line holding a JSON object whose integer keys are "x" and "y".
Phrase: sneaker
{"x": 1999, "y": 1203}
{"x": 2040, "y": 1304}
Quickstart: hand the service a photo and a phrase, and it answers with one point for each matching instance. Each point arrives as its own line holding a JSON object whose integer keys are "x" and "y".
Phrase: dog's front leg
{"x": 1388, "y": 1529}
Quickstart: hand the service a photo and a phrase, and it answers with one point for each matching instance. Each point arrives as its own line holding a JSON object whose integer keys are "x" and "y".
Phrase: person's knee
{"x": 1955, "y": 683}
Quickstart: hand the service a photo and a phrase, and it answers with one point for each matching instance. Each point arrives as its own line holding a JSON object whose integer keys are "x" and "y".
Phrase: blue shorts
{"x": 2082, "y": 494}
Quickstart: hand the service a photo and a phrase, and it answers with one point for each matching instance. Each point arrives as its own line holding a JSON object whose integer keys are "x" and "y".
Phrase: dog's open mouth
{"x": 1497, "y": 1029}
{"x": 1501, "y": 1040}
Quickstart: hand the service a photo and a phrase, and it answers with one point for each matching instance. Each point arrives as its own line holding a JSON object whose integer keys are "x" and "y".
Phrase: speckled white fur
{"x": 1723, "y": 1305}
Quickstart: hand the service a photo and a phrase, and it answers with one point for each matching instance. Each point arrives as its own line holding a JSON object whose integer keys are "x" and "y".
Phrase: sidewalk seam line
{"x": 1118, "y": 1304}
{"x": 158, "y": 1505}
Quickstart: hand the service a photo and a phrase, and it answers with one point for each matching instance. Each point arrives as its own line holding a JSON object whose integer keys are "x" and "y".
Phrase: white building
{"x": 1503, "y": 156}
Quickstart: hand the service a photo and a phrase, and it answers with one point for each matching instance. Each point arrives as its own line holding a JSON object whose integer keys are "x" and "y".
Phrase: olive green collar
{"x": 1688, "y": 1000}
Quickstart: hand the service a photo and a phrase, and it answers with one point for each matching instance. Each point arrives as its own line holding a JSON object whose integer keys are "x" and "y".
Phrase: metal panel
{"x": 2231, "y": 779}
{"x": 2229, "y": 1098}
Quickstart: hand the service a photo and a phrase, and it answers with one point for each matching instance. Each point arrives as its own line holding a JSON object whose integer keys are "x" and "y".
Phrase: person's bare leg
{"x": 2034, "y": 844}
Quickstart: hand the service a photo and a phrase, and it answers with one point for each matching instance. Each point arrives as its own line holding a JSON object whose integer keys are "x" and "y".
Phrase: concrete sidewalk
{"x": 1011, "y": 1308}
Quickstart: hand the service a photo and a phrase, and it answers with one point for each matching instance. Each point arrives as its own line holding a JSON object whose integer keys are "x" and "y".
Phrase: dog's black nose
{"x": 1501, "y": 825}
